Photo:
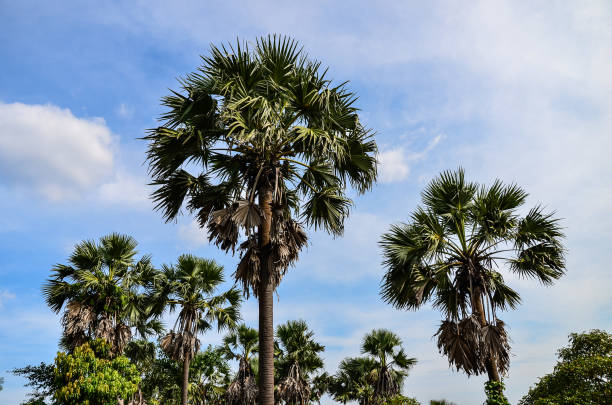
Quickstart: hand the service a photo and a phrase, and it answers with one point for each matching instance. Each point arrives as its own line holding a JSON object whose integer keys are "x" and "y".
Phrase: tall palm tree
{"x": 260, "y": 140}
{"x": 101, "y": 293}
{"x": 452, "y": 252}
{"x": 392, "y": 363}
{"x": 297, "y": 358}
{"x": 190, "y": 285}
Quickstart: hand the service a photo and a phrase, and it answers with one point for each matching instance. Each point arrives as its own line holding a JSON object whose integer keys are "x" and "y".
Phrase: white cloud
{"x": 49, "y": 150}
{"x": 193, "y": 234}
{"x": 393, "y": 165}
{"x": 125, "y": 111}
{"x": 125, "y": 189}
{"x": 4, "y": 296}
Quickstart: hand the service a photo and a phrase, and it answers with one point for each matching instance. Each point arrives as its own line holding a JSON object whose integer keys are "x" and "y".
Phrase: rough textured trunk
{"x": 266, "y": 306}
{"x": 491, "y": 362}
{"x": 185, "y": 390}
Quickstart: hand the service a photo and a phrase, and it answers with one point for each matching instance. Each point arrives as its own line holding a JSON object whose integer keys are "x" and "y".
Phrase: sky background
{"x": 516, "y": 90}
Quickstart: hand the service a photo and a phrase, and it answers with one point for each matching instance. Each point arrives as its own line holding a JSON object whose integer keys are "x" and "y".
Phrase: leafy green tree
{"x": 41, "y": 379}
{"x": 241, "y": 345}
{"x": 441, "y": 402}
{"x": 101, "y": 293}
{"x": 392, "y": 363}
{"x": 210, "y": 375}
{"x": 582, "y": 376}
{"x": 90, "y": 375}
{"x": 451, "y": 252}
{"x": 297, "y": 359}
{"x": 494, "y": 391}
{"x": 142, "y": 354}
{"x": 190, "y": 286}
{"x": 259, "y": 140}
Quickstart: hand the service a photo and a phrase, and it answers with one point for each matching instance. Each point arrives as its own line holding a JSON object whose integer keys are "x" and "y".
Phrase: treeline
{"x": 115, "y": 346}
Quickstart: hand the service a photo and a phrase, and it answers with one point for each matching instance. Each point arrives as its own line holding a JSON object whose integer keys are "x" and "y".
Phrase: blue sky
{"x": 513, "y": 90}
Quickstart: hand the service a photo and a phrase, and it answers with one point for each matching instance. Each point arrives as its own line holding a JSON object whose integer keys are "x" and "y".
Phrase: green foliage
{"x": 90, "y": 376}
{"x": 582, "y": 376}
{"x": 494, "y": 391}
{"x": 401, "y": 400}
{"x": 1, "y": 383}
{"x": 441, "y": 402}
{"x": 40, "y": 378}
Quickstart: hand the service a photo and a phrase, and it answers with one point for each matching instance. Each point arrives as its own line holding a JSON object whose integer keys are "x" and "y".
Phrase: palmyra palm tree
{"x": 451, "y": 252}
{"x": 259, "y": 140}
{"x": 355, "y": 380}
{"x": 297, "y": 358}
{"x": 241, "y": 344}
{"x": 190, "y": 285}
{"x": 392, "y": 363}
{"x": 100, "y": 291}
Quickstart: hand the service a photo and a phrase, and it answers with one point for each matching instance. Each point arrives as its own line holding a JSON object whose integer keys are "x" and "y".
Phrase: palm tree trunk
{"x": 491, "y": 362}
{"x": 266, "y": 305}
{"x": 185, "y": 391}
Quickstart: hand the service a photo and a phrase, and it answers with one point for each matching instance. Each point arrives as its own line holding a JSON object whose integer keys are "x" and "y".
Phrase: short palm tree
{"x": 452, "y": 252}
{"x": 101, "y": 291}
{"x": 190, "y": 286}
{"x": 392, "y": 363}
{"x": 297, "y": 358}
{"x": 241, "y": 344}
{"x": 355, "y": 380}
{"x": 259, "y": 140}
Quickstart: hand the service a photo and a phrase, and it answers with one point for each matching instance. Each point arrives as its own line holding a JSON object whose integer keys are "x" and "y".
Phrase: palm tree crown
{"x": 392, "y": 363}
{"x": 100, "y": 291}
{"x": 241, "y": 344}
{"x": 297, "y": 358}
{"x": 262, "y": 122}
{"x": 451, "y": 252}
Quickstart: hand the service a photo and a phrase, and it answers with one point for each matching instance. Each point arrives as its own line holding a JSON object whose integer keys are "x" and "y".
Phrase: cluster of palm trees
{"x": 106, "y": 292}
{"x": 259, "y": 146}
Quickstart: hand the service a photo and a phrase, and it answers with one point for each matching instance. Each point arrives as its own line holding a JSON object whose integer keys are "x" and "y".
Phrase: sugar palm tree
{"x": 259, "y": 140}
{"x": 101, "y": 293}
{"x": 297, "y": 358}
{"x": 241, "y": 345}
{"x": 190, "y": 286}
{"x": 355, "y": 380}
{"x": 452, "y": 252}
{"x": 392, "y": 363}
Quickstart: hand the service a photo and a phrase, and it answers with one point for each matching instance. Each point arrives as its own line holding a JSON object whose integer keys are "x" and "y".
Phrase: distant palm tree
{"x": 190, "y": 286}
{"x": 261, "y": 140}
{"x": 241, "y": 344}
{"x": 451, "y": 251}
{"x": 355, "y": 380}
{"x": 297, "y": 358}
{"x": 101, "y": 293}
{"x": 392, "y": 363}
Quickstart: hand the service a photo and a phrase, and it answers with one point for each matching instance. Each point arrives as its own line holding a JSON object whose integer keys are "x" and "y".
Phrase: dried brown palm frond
{"x": 243, "y": 390}
{"x": 222, "y": 229}
{"x": 77, "y": 323}
{"x": 294, "y": 389}
{"x": 288, "y": 238}
{"x": 386, "y": 384}
{"x": 460, "y": 343}
{"x": 468, "y": 345}
{"x": 495, "y": 345}
{"x": 247, "y": 215}
{"x": 178, "y": 346}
